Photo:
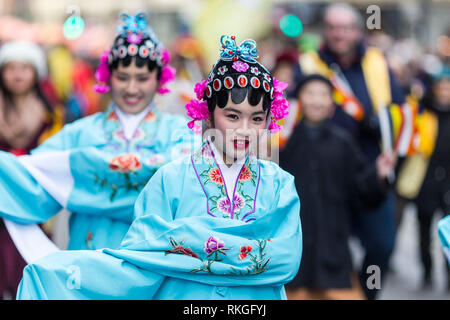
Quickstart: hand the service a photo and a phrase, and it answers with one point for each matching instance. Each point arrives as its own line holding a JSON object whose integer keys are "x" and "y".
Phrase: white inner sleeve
{"x": 52, "y": 171}
{"x": 230, "y": 174}
{"x": 31, "y": 242}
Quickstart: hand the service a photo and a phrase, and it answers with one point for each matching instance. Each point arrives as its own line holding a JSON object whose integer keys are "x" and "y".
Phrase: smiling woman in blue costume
{"x": 96, "y": 166}
{"x": 205, "y": 227}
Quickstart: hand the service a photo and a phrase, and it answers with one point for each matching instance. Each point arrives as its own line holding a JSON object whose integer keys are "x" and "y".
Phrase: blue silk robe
{"x": 102, "y": 171}
{"x": 189, "y": 240}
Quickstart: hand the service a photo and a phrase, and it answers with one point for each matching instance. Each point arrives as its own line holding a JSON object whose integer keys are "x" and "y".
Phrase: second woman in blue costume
{"x": 218, "y": 224}
{"x": 96, "y": 166}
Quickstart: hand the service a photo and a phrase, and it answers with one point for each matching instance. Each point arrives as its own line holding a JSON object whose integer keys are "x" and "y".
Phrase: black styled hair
{"x": 237, "y": 94}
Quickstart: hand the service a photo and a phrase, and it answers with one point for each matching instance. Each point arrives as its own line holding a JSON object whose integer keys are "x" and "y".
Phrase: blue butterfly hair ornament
{"x": 135, "y": 28}
{"x": 230, "y": 51}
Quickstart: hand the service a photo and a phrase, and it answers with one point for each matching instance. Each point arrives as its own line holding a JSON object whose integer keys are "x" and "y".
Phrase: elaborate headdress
{"x": 237, "y": 66}
{"x": 135, "y": 38}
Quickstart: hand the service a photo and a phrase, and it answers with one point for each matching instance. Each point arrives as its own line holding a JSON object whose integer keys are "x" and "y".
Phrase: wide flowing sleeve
{"x": 215, "y": 251}
{"x": 22, "y": 198}
{"x": 86, "y": 275}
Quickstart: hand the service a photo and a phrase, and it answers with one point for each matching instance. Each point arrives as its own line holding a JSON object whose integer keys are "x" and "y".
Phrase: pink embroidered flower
{"x": 215, "y": 176}
{"x": 246, "y": 174}
{"x": 197, "y": 110}
{"x": 245, "y": 250}
{"x": 238, "y": 203}
{"x": 200, "y": 89}
{"x": 240, "y": 66}
{"x": 213, "y": 244}
{"x": 125, "y": 163}
{"x": 224, "y": 205}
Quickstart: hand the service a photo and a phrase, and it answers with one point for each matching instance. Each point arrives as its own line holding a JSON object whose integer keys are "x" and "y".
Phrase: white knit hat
{"x": 24, "y": 51}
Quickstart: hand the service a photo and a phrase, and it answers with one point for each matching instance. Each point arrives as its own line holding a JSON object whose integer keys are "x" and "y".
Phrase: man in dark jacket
{"x": 332, "y": 178}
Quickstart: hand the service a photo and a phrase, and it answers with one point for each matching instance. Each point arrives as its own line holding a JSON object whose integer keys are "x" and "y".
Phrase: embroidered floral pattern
{"x": 257, "y": 258}
{"x": 89, "y": 238}
{"x": 244, "y": 251}
{"x": 214, "y": 248}
{"x": 255, "y": 71}
{"x": 219, "y": 203}
{"x": 125, "y": 163}
{"x": 222, "y": 70}
{"x": 240, "y": 66}
{"x": 246, "y": 174}
{"x": 215, "y": 176}
{"x": 180, "y": 249}
{"x": 127, "y": 166}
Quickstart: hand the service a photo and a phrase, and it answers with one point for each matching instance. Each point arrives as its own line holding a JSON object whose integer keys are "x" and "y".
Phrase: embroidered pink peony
{"x": 125, "y": 163}
{"x": 213, "y": 244}
{"x": 224, "y": 205}
{"x": 238, "y": 203}
{"x": 240, "y": 66}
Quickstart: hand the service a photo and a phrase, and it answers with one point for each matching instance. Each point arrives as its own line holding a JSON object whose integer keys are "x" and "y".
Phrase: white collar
{"x": 130, "y": 121}
{"x": 230, "y": 174}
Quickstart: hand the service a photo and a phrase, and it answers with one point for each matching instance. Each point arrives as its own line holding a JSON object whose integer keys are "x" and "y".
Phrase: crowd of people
{"x": 366, "y": 134}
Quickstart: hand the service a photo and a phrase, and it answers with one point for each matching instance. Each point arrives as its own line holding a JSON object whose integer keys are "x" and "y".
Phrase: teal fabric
{"x": 444, "y": 235}
{"x": 108, "y": 174}
{"x": 176, "y": 248}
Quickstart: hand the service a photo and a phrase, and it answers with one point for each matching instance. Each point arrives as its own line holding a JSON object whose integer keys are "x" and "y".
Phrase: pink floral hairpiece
{"x": 102, "y": 74}
{"x": 197, "y": 108}
{"x": 279, "y": 107}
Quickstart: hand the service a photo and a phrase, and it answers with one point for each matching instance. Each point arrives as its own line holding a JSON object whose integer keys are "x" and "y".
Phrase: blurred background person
{"x": 27, "y": 118}
{"x": 332, "y": 178}
{"x": 366, "y": 84}
{"x": 425, "y": 176}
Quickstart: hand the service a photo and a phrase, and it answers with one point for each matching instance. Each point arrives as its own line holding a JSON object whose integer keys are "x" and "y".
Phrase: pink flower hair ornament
{"x": 279, "y": 107}
{"x": 102, "y": 74}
